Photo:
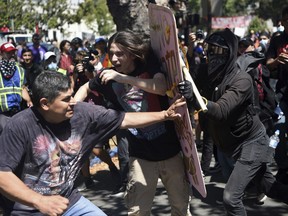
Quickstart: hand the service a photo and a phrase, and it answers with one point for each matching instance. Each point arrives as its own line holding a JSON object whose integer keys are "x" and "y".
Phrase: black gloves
{"x": 185, "y": 89}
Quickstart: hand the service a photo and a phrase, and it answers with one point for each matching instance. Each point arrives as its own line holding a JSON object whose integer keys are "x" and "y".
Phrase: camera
{"x": 86, "y": 60}
{"x": 90, "y": 57}
{"x": 199, "y": 34}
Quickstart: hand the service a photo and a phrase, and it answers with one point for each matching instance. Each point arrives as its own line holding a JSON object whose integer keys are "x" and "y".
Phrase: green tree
{"x": 257, "y": 25}
{"x": 96, "y": 10}
{"x": 53, "y": 13}
{"x": 11, "y": 13}
{"x": 235, "y": 7}
{"x": 271, "y": 9}
{"x": 193, "y": 6}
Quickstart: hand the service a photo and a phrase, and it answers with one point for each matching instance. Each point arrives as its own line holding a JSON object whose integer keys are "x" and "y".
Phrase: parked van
{"x": 19, "y": 38}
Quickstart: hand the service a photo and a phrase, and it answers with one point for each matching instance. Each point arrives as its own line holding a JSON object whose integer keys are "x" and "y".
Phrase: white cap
{"x": 48, "y": 55}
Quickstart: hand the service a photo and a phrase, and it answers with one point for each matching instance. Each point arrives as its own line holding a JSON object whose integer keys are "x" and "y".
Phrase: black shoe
{"x": 282, "y": 176}
{"x": 119, "y": 192}
{"x": 89, "y": 182}
{"x": 260, "y": 199}
{"x": 215, "y": 169}
{"x": 212, "y": 170}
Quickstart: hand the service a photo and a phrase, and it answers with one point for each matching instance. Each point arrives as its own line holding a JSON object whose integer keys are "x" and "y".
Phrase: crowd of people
{"x": 59, "y": 106}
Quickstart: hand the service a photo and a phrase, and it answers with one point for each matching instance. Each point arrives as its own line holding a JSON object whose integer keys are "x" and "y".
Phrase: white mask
{"x": 53, "y": 66}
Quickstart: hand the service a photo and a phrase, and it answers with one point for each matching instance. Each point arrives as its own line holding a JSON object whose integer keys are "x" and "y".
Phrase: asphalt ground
{"x": 209, "y": 206}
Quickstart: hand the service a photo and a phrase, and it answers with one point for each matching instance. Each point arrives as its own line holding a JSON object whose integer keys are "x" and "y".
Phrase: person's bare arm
{"x": 14, "y": 189}
{"x": 156, "y": 85}
{"x": 272, "y": 63}
{"x": 26, "y": 96}
{"x": 143, "y": 119}
{"x": 82, "y": 92}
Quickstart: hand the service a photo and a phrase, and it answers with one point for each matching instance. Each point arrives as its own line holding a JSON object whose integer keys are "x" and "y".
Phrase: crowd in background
{"x": 84, "y": 64}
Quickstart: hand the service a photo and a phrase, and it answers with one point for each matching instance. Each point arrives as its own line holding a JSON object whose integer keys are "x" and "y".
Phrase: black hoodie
{"x": 231, "y": 119}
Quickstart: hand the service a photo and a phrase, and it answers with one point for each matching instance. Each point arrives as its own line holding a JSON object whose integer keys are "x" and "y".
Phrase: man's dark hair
{"x": 135, "y": 44}
{"x": 26, "y": 49}
{"x": 62, "y": 44}
{"x": 49, "y": 84}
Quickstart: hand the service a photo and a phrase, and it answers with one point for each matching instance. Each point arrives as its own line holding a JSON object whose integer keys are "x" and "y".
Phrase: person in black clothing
{"x": 234, "y": 124}
{"x": 277, "y": 62}
{"x": 136, "y": 83}
{"x": 32, "y": 70}
{"x": 197, "y": 61}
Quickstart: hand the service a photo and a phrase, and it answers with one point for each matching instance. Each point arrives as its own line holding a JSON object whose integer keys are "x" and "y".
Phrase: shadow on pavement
{"x": 210, "y": 206}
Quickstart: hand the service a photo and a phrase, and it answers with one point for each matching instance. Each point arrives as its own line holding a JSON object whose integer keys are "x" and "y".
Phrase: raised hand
{"x": 110, "y": 74}
{"x": 172, "y": 112}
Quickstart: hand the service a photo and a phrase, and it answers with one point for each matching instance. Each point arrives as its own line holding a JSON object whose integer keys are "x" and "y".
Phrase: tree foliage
{"x": 53, "y": 14}
{"x": 268, "y": 9}
{"x": 12, "y": 14}
{"x": 193, "y": 6}
{"x": 130, "y": 14}
{"x": 271, "y": 9}
{"x": 235, "y": 7}
{"x": 257, "y": 25}
{"x": 27, "y": 14}
{"x": 91, "y": 10}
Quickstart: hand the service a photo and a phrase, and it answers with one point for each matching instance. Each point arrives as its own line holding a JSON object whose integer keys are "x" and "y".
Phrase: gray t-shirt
{"x": 48, "y": 157}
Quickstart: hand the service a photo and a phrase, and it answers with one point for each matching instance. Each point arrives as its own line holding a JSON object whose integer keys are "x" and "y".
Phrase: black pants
{"x": 208, "y": 147}
{"x": 252, "y": 165}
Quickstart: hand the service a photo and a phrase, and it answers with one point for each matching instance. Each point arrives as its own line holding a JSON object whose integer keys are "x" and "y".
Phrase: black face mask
{"x": 217, "y": 59}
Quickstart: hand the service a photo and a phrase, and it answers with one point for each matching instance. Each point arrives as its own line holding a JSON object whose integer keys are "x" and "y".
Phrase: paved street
{"x": 211, "y": 205}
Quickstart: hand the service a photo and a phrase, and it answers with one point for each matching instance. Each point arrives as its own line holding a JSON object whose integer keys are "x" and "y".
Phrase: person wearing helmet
{"x": 233, "y": 122}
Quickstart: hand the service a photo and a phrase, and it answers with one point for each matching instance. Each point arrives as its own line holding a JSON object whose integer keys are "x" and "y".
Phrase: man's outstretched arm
{"x": 143, "y": 119}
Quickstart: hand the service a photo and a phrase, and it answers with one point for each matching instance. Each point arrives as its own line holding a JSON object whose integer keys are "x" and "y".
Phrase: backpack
{"x": 264, "y": 97}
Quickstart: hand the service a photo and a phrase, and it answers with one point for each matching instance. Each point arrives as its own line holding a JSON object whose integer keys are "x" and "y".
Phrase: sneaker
{"x": 261, "y": 199}
{"x": 119, "y": 192}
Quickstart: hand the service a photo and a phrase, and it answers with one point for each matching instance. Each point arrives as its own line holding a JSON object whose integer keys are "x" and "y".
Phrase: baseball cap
{"x": 216, "y": 40}
{"x": 48, "y": 54}
{"x": 7, "y": 47}
{"x": 98, "y": 40}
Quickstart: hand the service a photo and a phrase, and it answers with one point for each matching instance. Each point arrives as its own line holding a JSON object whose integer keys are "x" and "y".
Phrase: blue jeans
{"x": 84, "y": 207}
{"x": 252, "y": 165}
